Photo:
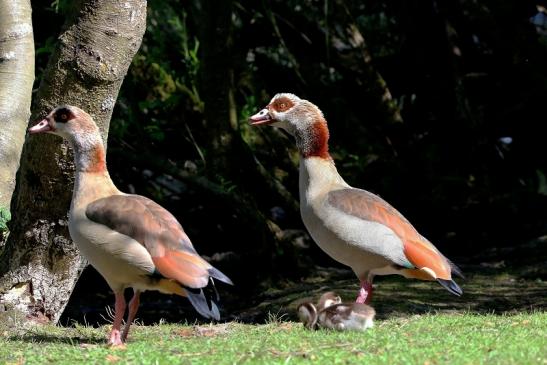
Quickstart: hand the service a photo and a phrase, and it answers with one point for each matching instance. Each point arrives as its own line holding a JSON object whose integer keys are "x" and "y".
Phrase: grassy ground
{"x": 464, "y": 338}
{"x": 487, "y": 290}
{"x": 501, "y": 319}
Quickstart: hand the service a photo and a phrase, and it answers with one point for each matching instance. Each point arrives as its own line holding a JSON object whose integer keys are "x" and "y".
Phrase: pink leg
{"x": 119, "y": 311}
{"x": 365, "y": 293}
{"x": 133, "y": 307}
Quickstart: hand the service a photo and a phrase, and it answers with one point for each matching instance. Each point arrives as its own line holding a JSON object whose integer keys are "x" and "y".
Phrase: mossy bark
{"x": 16, "y": 79}
{"x": 86, "y": 69}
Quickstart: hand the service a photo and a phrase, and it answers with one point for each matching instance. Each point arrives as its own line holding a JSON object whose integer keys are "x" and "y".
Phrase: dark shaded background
{"x": 458, "y": 148}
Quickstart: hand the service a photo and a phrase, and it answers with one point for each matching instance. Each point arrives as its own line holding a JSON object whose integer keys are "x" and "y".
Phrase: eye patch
{"x": 63, "y": 115}
{"x": 282, "y": 104}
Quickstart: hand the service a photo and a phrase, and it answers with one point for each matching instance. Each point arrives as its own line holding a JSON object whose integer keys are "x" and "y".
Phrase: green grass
{"x": 500, "y": 319}
{"x": 461, "y": 338}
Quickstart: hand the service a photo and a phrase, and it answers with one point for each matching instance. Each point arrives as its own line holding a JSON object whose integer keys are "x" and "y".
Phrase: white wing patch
{"x": 370, "y": 236}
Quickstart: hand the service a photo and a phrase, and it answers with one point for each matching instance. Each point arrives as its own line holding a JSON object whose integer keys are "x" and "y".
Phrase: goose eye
{"x": 63, "y": 116}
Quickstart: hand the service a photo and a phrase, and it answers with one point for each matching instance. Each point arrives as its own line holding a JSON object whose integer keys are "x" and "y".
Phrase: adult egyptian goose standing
{"x": 131, "y": 241}
{"x": 353, "y": 226}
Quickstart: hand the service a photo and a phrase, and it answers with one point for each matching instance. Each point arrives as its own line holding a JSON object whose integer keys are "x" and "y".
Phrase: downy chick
{"x": 332, "y": 313}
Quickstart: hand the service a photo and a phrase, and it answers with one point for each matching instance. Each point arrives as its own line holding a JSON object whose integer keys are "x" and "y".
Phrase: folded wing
{"x": 162, "y": 235}
{"x": 419, "y": 252}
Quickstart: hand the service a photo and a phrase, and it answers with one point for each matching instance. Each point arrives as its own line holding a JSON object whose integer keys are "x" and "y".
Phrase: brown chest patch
{"x": 98, "y": 161}
{"x": 317, "y": 144}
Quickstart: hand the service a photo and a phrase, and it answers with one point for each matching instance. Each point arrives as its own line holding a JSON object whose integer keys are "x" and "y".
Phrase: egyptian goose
{"x": 131, "y": 241}
{"x": 333, "y": 314}
{"x": 327, "y": 299}
{"x": 307, "y": 314}
{"x": 307, "y": 311}
{"x": 353, "y": 226}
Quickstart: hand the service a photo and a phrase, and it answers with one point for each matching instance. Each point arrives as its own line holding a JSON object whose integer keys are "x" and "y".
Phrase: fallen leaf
{"x": 19, "y": 361}
{"x": 112, "y": 358}
{"x": 88, "y": 345}
{"x": 211, "y": 331}
{"x": 285, "y": 326}
{"x": 121, "y": 347}
{"x": 185, "y": 332}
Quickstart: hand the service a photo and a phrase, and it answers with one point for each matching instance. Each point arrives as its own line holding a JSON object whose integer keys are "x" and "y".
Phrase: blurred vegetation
{"x": 435, "y": 105}
{"x": 5, "y": 217}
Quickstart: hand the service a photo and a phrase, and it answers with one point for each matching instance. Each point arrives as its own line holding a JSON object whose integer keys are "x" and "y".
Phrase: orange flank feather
{"x": 422, "y": 255}
{"x": 186, "y": 268}
{"x": 417, "y": 249}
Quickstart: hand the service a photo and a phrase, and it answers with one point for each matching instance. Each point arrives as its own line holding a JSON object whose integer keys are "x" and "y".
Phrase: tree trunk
{"x": 16, "y": 79}
{"x": 40, "y": 264}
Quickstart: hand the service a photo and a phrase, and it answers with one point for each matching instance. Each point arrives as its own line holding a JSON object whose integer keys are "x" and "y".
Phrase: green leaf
{"x": 5, "y": 217}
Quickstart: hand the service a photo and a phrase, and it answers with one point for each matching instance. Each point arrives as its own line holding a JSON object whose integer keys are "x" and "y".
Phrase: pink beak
{"x": 262, "y": 117}
{"x": 41, "y": 127}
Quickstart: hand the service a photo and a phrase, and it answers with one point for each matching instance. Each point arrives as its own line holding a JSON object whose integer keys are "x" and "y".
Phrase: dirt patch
{"x": 203, "y": 331}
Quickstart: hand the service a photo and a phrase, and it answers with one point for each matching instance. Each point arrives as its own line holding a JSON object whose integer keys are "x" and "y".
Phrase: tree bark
{"x": 40, "y": 264}
{"x": 16, "y": 79}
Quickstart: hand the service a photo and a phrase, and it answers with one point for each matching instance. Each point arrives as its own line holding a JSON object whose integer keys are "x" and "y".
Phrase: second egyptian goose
{"x": 353, "y": 226}
{"x": 132, "y": 241}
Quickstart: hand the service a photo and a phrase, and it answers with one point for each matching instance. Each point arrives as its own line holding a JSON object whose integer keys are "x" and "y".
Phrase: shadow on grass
{"x": 507, "y": 280}
{"x": 60, "y": 339}
{"x": 485, "y": 291}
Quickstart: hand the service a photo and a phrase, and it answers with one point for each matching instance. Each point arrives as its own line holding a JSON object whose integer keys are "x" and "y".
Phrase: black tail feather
{"x": 451, "y": 286}
{"x": 213, "y": 288}
{"x": 205, "y": 300}
{"x": 215, "y": 273}
{"x": 203, "y": 303}
{"x": 455, "y": 270}
{"x": 210, "y": 291}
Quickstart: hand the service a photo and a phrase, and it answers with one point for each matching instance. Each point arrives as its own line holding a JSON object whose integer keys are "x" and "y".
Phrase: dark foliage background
{"x": 437, "y": 106}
